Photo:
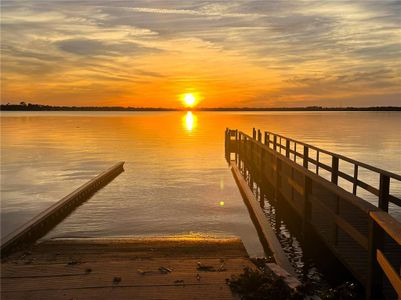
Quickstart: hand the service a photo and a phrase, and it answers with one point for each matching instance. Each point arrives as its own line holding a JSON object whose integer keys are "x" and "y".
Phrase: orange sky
{"x": 256, "y": 53}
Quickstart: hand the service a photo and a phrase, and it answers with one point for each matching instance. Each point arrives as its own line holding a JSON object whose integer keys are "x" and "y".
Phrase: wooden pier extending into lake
{"x": 364, "y": 237}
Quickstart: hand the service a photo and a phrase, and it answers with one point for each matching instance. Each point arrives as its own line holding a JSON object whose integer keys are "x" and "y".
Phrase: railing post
{"x": 267, "y": 140}
{"x": 254, "y": 133}
{"x": 226, "y": 144}
{"x": 306, "y": 156}
{"x": 295, "y": 152}
{"x": 259, "y": 136}
{"x": 355, "y": 183}
{"x": 384, "y": 191}
{"x": 287, "y": 148}
{"x": 275, "y": 142}
{"x": 375, "y": 273}
{"x": 334, "y": 169}
{"x": 236, "y": 146}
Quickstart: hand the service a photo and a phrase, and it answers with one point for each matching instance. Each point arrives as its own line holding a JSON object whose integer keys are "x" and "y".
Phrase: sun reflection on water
{"x": 190, "y": 121}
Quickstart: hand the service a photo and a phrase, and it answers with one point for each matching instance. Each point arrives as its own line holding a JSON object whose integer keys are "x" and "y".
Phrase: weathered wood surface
{"x": 87, "y": 268}
{"x": 46, "y": 220}
{"x": 266, "y": 233}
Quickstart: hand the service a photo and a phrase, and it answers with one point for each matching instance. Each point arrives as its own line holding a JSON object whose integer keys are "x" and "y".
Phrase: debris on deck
{"x": 162, "y": 268}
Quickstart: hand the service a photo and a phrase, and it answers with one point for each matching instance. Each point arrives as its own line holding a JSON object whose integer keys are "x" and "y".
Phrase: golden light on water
{"x": 190, "y": 121}
{"x": 221, "y": 184}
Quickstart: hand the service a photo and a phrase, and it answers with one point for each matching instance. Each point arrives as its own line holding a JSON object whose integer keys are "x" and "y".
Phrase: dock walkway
{"x": 154, "y": 268}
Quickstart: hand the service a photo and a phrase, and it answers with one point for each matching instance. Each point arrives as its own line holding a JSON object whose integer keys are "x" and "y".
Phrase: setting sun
{"x": 189, "y": 100}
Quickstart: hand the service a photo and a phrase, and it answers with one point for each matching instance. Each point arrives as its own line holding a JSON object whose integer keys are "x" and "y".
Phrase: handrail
{"x": 347, "y": 159}
{"x": 360, "y": 203}
{"x": 383, "y": 192}
{"x": 382, "y": 222}
{"x": 390, "y": 225}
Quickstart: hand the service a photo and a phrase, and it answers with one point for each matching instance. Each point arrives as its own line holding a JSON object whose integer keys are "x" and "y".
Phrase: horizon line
{"x": 43, "y": 107}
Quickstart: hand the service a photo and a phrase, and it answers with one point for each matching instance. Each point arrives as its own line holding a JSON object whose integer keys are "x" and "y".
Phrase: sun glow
{"x": 189, "y": 100}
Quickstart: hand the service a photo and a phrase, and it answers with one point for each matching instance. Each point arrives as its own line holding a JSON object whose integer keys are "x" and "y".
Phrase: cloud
{"x": 209, "y": 10}
{"x": 83, "y": 46}
{"x": 91, "y": 47}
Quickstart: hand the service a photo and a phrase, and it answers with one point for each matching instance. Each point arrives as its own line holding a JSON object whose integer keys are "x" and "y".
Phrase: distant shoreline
{"x": 39, "y": 107}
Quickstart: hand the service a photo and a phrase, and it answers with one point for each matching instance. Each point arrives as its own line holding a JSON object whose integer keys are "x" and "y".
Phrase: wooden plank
{"x": 346, "y": 176}
{"x": 352, "y": 232}
{"x": 394, "y": 200}
{"x": 128, "y": 292}
{"x": 368, "y": 187}
{"x": 43, "y": 222}
{"x": 102, "y": 274}
{"x": 390, "y": 225}
{"x": 389, "y": 271}
{"x": 324, "y": 166}
{"x": 294, "y": 184}
{"x": 343, "y": 224}
{"x": 267, "y": 234}
{"x": 135, "y": 262}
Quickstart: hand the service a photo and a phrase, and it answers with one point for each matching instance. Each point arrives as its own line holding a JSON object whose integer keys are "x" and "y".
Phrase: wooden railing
{"x": 298, "y": 150}
{"x": 382, "y": 225}
{"x": 345, "y": 222}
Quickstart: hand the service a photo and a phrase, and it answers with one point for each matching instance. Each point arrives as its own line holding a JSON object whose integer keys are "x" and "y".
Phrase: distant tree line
{"x": 23, "y": 106}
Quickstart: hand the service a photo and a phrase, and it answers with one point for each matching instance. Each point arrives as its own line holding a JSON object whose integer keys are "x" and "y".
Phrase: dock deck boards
{"x": 58, "y": 269}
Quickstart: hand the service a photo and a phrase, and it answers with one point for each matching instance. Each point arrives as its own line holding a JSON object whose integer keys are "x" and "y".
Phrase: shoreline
{"x": 40, "y": 107}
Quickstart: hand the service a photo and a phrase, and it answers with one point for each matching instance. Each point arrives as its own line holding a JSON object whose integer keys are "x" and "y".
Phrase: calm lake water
{"x": 176, "y": 180}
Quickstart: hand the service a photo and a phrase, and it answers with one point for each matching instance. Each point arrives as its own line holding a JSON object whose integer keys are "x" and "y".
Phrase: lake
{"x": 176, "y": 180}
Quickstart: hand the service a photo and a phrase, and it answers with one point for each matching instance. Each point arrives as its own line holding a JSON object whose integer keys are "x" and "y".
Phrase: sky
{"x": 277, "y": 53}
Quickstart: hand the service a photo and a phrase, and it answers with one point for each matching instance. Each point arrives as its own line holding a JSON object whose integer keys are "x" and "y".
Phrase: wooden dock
{"x": 364, "y": 237}
{"x": 153, "y": 268}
